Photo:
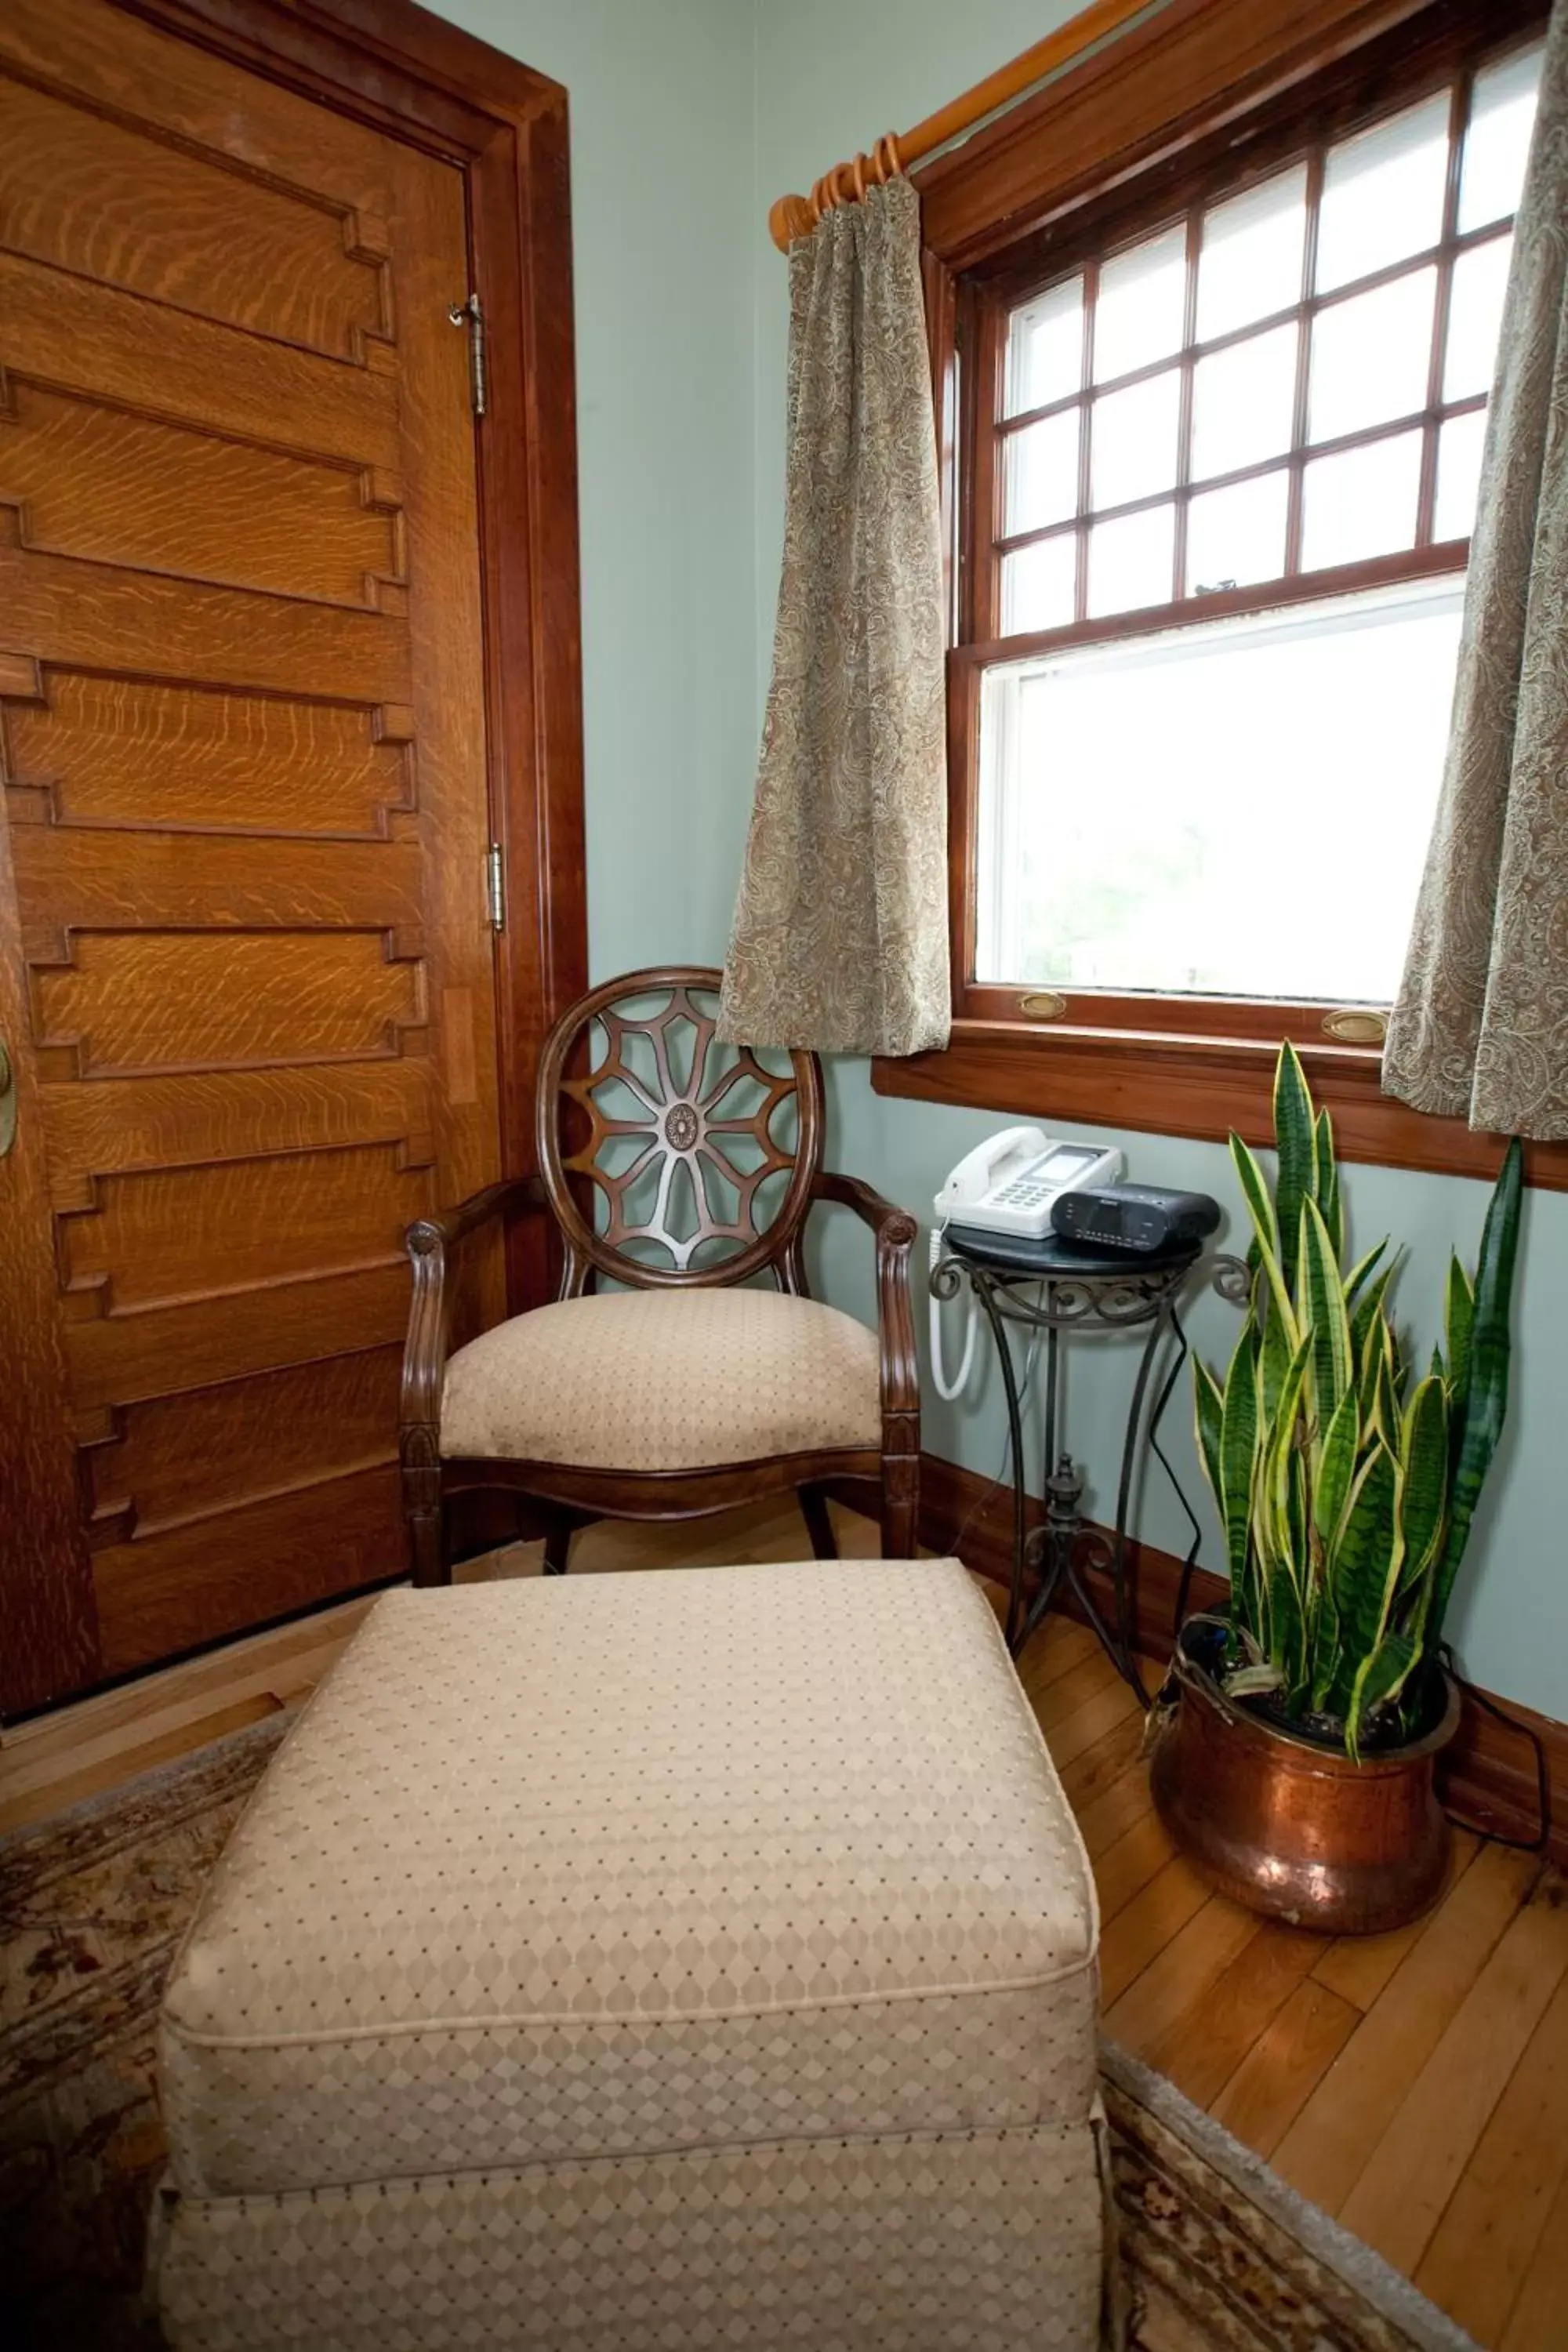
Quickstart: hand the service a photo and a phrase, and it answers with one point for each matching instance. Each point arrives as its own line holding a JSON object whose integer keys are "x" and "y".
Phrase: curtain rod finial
{"x": 791, "y": 217}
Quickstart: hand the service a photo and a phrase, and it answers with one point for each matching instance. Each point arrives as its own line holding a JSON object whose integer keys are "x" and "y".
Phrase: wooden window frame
{"x": 1202, "y": 96}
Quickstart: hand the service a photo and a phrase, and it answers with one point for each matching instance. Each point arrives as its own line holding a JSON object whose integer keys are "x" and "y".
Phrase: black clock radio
{"x": 1141, "y": 1217}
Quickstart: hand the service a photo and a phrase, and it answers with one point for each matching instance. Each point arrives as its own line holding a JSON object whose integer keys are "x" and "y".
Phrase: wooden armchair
{"x": 680, "y": 1391}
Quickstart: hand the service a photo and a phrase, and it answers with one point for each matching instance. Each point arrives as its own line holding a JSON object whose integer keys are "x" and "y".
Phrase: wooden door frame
{"x": 402, "y": 71}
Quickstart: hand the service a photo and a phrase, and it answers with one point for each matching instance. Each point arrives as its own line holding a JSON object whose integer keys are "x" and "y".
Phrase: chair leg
{"x": 818, "y": 1525}
{"x": 558, "y": 1544}
{"x": 422, "y": 1510}
{"x": 431, "y": 1565}
{"x": 901, "y": 1505}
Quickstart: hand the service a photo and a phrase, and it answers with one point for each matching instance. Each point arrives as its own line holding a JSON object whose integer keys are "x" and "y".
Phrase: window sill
{"x": 1199, "y": 1087}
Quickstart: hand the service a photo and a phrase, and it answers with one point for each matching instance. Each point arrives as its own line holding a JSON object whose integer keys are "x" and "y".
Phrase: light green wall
{"x": 661, "y": 104}
{"x": 688, "y": 117}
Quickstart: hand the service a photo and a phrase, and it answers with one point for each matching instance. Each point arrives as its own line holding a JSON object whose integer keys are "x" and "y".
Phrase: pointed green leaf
{"x": 1385, "y": 1403}
{"x": 1399, "y": 1372}
{"x": 1484, "y": 1402}
{"x": 1368, "y": 1308}
{"x": 1423, "y": 1505}
{"x": 1375, "y": 1348}
{"x": 1254, "y": 1193}
{"x": 1362, "y": 1270}
{"x": 1273, "y": 1507}
{"x": 1322, "y": 1309}
{"x": 1298, "y": 1516}
{"x": 1208, "y": 1401}
{"x": 1364, "y": 1569}
{"x": 1260, "y": 1209}
{"x": 1381, "y": 1676}
{"x": 1326, "y": 1180}
{"x": 1326, "y": 1649}
{"x": 1336, "y": 1469}
{"x": 1458, "y": 1322}
{"x": 1294, "y": 1143}
{"x": 1237, "y": 1448}
{"x": 1274, "y": 1359}
{"x": 1287, "y": 1642}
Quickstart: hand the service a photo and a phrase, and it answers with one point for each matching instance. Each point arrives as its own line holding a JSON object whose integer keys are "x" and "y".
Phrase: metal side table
{"x": 1058, "y": 1287}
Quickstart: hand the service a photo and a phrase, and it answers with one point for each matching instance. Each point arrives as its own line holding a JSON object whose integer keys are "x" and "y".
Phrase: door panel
{"x": 173, "y": 365}
{"x": 84, "y": 193}
{"x": 149, "y": 1000}
{"x": 121, "y": 1359}
{"x": 184, "y": 1457}
{"x": 108, "y": 751}
{"x": 108, "y": 616}
{"x": 178, "y": 1588}
{"x": 215, "y": 1114}
{"x": 165, "y": 1235}
{"x": 94, "y": 480}
{"x": 243, "y": 762}
{"x": 105, "y": 60}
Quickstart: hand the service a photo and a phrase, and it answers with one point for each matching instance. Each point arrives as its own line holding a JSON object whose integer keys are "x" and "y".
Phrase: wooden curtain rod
{"x": 794, "y": 216}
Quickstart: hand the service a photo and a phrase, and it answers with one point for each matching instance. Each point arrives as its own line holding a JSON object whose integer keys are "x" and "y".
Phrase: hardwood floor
{"x": 1415, "y": 2085}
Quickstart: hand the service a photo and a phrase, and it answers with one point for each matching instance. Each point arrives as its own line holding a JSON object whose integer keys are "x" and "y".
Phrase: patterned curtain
{"x": 840, "y": 933}
{"x": 1480, "y": 1028}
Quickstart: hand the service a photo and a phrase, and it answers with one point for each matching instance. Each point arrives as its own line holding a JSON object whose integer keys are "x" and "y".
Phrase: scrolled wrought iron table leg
{"x": 985, "y": 1291}
{"x": 1124, "y": 1653}
{"x": 1065, "y": 1547}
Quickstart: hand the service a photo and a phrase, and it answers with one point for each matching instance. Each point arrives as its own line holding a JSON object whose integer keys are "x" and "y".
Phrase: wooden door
{"x": 245, "y": 959}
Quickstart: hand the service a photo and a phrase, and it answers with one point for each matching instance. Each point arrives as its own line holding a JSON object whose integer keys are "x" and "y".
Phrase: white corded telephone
{"x": 1007, "y": 1185}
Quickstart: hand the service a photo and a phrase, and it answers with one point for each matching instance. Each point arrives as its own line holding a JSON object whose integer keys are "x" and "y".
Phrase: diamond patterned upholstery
{"x": 665, "y": 1379}
{"x": 633, "y": 1880}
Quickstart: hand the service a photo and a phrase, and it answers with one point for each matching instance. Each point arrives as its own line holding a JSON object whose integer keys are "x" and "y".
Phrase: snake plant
{"x": 1346, "y": 1485}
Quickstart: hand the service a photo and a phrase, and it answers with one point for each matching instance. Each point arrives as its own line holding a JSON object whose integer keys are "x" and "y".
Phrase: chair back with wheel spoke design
{"x": 669, "y": 1157}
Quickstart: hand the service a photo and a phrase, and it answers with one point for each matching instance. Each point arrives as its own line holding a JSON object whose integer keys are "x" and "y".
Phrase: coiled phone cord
{"x": 947, "y": 1390}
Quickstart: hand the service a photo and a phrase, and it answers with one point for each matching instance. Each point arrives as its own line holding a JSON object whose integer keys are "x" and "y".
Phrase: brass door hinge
{"x": 469, "y": 313}
{"x": 495, "y": 887}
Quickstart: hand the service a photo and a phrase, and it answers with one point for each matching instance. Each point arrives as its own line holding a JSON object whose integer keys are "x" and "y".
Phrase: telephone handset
{"x": 1007, "y": 1185}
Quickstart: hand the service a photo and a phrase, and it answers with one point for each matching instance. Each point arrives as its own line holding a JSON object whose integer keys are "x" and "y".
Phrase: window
{"x": 1283, "y": 386}
{"x": 1195, "y": 864}
{"x": 1215, "y": 443}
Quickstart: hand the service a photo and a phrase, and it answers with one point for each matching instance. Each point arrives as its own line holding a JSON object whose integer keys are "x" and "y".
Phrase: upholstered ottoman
{"x": 700, "y": 1958}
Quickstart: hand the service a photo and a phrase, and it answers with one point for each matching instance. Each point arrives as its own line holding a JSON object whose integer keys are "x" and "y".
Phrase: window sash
{"x": 1311, "y": 154}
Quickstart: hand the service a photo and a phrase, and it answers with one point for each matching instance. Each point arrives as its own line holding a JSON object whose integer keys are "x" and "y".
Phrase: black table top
{"x": 1052, "y": 1259}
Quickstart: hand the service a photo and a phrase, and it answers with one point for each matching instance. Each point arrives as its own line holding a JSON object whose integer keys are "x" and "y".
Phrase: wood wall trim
{"x": 1147, "y": 95}
{"x": 1488, "y": 1777}
{"x": 1199, "y": 1087}
{"x": 418, "y": 78}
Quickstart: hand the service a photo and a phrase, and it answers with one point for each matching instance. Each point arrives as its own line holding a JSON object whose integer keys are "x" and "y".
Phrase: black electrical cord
{"x": 1489, "y": 1705}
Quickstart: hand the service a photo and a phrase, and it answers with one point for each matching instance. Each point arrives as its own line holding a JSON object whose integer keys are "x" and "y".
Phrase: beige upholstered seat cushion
{"x": 664, "y": 1379}
{"x": 581, "y": 1867}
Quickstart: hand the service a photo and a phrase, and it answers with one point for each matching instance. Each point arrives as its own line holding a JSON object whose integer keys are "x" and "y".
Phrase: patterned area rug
{"x": 1219, "y": 2254}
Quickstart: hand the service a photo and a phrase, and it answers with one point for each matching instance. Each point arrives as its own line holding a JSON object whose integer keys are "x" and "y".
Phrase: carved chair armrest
{"x": 429, "y": 1310}
{"x": 497, "y": 1199}
{"x": 896, "y": 1231}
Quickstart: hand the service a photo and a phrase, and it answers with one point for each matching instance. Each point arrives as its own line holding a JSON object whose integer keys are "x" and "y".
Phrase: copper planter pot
{"x": 1294, "y": 1830}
